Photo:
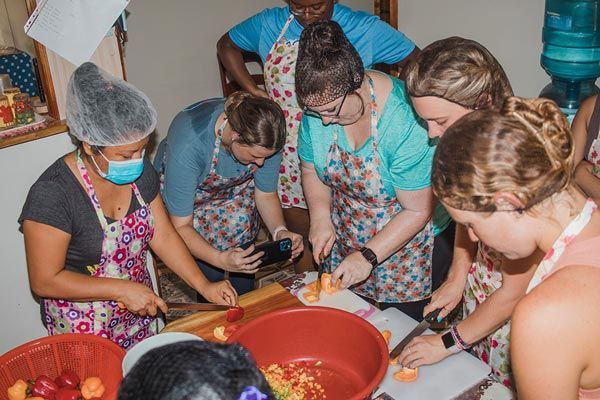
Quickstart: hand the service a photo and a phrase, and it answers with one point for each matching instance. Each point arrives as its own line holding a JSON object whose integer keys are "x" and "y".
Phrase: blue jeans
{"x": 243, "y": 283}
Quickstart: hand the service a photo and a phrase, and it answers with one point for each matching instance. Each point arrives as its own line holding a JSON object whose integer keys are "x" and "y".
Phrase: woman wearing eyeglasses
{"x": 366, "y": 166}
{"x": 274, "y": 34}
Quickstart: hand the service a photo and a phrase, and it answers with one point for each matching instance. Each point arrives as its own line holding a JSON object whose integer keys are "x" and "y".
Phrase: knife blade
{"x": 417, "y": 331}
{"x": 197, "y": 306}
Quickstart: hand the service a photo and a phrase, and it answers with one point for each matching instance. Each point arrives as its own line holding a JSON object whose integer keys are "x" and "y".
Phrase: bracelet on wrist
{"x": 458, "y": 339}
{"x": 277, "y": 230}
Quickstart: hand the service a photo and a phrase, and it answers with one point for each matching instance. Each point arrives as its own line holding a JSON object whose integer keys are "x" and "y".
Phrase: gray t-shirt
{"x": 58, "y": 199}
{"x": 188, "y": 148}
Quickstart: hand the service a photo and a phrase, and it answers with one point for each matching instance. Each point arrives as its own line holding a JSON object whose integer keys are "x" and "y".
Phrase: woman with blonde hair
{"x": 451, "y": 78}
{"x": 512, "y": 187}
{"x": 219, "y": 166}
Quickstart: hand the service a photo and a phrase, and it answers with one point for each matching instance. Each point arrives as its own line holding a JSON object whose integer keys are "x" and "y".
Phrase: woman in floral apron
{"x": 365, "y": 170}
{"x": 475, "y": 277}
{"x": 91, "y": 218}
{"x": 586, "y": 133}
{"x": 512, "y": 187}
{"x": 219, "y": 166}
{"x": 274, "y": 34}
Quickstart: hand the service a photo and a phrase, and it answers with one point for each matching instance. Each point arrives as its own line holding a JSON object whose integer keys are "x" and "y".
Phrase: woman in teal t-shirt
{"x": 366, "y": 166}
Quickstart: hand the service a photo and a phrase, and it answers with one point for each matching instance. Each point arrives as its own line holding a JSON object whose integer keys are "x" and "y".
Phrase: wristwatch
{"x": 450, "y": 343}
{"x": 369, "y": 256}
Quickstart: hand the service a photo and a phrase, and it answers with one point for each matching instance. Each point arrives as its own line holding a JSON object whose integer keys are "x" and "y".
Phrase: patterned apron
{"x": 124, "y": 252}
{"x": 483, "y": 279}
{"x": 225, "y": 213}
{"x": 594, "y": 157}
{"x": 361, "y": 207}
{"x": 279, "y": 73}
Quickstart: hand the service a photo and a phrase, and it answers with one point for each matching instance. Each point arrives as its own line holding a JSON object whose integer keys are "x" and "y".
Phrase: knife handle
{"x": 432, "y": 316}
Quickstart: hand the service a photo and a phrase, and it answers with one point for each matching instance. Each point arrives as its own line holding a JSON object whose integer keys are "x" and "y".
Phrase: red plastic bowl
{"x": 86, "y": 355}
{"x": 353, "y": 353}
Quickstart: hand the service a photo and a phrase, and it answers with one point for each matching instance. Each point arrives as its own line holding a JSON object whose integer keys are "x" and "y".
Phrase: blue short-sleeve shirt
{"x": 188, "y": 150}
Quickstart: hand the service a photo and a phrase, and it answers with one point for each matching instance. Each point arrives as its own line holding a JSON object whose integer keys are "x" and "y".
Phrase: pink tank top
{"x": 581, "y": 253}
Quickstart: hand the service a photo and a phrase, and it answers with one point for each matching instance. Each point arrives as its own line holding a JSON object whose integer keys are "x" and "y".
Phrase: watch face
{"x": 448, "y": 340}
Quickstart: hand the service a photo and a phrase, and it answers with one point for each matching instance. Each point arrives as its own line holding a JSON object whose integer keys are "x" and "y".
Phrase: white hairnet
{"x": 106, "y": 111}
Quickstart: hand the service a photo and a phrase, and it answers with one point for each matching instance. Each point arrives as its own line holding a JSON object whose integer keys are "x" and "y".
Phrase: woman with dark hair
{"x": 512, "y": 187}
{"x": 366, "y": 173}
{"x": 219, "y": 165}
{"x": 195, "y": 370}
{"x": 273, "y": 34}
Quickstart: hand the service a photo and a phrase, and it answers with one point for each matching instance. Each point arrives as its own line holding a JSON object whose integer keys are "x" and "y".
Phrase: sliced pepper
{"x": 311, "y": 287}
{"x": 386, "y": 335}
{"x": 219, "y": 333}
{"x": 394, "y": 361}
{"x": 407, "y": 374}
{"x": 92, "y": 387}
{"x": 18, "y": 391}
{"x": 311, "y": 297}
{"x": 327, "y": 286}
{"x": 234, "y": 314}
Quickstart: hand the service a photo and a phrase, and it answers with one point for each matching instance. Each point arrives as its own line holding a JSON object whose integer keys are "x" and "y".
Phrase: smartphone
{"x": 275, "y": 252}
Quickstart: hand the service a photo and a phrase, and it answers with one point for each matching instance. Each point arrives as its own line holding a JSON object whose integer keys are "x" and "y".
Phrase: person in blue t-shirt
{"x": 218, "y": 167}
{"x": 366, "y": 165}
{"x": 273, "y": 34}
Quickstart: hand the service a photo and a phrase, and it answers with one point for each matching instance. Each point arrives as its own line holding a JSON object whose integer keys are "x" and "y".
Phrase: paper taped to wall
{"x": 73, "y": 28}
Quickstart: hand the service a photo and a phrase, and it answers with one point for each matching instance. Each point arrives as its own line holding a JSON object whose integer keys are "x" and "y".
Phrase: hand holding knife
{"x": 417, "y": 331}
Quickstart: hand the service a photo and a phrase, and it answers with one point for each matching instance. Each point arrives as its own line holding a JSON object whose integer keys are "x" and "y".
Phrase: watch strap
{"x": 369, "y": 255}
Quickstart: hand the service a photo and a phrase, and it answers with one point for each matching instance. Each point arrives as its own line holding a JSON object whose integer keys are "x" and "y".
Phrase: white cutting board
{"x": 444, "y": 380}
{"x": 343, "y": 300}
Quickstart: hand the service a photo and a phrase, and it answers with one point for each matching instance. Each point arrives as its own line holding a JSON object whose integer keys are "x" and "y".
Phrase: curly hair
{"x": 461, "y": 71}
{"x": 259, "y": 121}
{"x": 525, "y": 148}
{"x": 328, "y": 66}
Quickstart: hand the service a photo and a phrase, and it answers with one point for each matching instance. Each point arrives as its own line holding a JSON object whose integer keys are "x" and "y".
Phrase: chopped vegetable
{"x": 327, "y": 286}
{"x": 394, "y": 361}
{"x": 311, "y": 297}
{"x": 92, "y": 387}
{"x": 311, "y": 287}
{"x": 234, "y": 314}
{"x": 407, "y": 374}
{"x": 18, "y": 391}
{"x": 294, "y": 381}
{"x": 386, "y": 335}
{"x": 219, "y": 333}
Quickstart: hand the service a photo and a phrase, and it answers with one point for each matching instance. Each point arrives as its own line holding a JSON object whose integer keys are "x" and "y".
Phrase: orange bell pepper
{"x": 407, "y": 374}
{"x": 327, "y": 286}
{"x": 394, "y": 361}
{"x": 386, "y": 335}
{"x": 92, "y": 387}
{"x": 311, "y": 297}
{"x": 311, "y": 287}
{"x": 18, "y": 391}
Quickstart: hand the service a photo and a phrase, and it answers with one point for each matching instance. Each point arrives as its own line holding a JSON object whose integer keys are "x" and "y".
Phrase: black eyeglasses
{"x": 336, "y": 115}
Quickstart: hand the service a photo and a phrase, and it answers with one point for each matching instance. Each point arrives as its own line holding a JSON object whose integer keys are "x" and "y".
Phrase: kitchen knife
{"x": 419, "y": 329}
{"x": 198, "y": 306}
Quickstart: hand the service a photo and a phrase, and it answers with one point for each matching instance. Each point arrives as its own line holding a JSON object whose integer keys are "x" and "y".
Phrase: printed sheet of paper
{"x": 73, "y": 28}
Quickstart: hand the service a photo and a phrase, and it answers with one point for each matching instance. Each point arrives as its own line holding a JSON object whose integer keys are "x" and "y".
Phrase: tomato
{"x": 234, "y": 314}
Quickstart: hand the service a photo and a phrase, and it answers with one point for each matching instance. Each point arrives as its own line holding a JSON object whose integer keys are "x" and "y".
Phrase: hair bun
{"x": 235, "y": 99}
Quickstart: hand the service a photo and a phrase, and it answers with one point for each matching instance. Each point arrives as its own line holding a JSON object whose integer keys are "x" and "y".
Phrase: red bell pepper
{"x": 234, "y": 314}
{"x": 67, "y": 379}
{"x": 44, "y": 387}
{"x": 68, "y": 394}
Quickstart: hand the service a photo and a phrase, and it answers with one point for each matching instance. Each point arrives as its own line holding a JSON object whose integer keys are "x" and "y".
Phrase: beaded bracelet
{"x": 459, "y": 340}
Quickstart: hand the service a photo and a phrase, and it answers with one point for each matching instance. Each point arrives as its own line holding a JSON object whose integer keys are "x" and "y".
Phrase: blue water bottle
{"x": 571, "y": 52}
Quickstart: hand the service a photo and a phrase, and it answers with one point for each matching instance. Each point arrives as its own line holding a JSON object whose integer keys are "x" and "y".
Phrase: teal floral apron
{"x": 124, "y": 252}
{"x": 361, "y": 207}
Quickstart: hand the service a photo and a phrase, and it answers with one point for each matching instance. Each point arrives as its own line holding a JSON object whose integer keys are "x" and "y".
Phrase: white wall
{"x": 20, "y": 166}
{"x": 510, "y": 29}
{"x": 172, "y": 53}
{"x": 172, "y": 57}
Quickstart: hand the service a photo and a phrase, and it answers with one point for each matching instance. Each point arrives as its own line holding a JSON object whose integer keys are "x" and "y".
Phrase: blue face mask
{"x": 122, "y": 172}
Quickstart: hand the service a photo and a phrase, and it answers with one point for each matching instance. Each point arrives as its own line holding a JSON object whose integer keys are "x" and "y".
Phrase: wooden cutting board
{"x": 255, "y": 303}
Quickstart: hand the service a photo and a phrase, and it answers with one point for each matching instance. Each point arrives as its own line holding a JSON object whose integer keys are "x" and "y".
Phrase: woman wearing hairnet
{"x": 90, "y": 217}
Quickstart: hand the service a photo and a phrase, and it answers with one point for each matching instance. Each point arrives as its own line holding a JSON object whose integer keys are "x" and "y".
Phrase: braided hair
{"x": 193, "y": 370}
{"x": 526, "y": 149}
{"x": 328, "y": 66}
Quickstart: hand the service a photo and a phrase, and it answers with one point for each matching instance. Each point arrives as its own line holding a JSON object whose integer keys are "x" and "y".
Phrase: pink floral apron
{"x": 594, "y": 157}
{"x": 279, "y": 73}
{"x": 225, "y": 212}
{"x": 483, "y": 279}
{"x": 124, "y": 251}
{"x": 361, "y": 207}
{"x": 574, "y": 228}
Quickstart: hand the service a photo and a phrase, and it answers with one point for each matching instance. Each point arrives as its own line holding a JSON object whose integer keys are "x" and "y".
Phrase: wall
{"x": 510, "y": 29}
{"x": 171, "y": 56}
{"x": 172, "y": 52}
{"x": 20, "y": 166}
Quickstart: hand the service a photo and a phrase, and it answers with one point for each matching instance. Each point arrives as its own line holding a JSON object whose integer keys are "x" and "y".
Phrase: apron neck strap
{"x": 285, "y": 27}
